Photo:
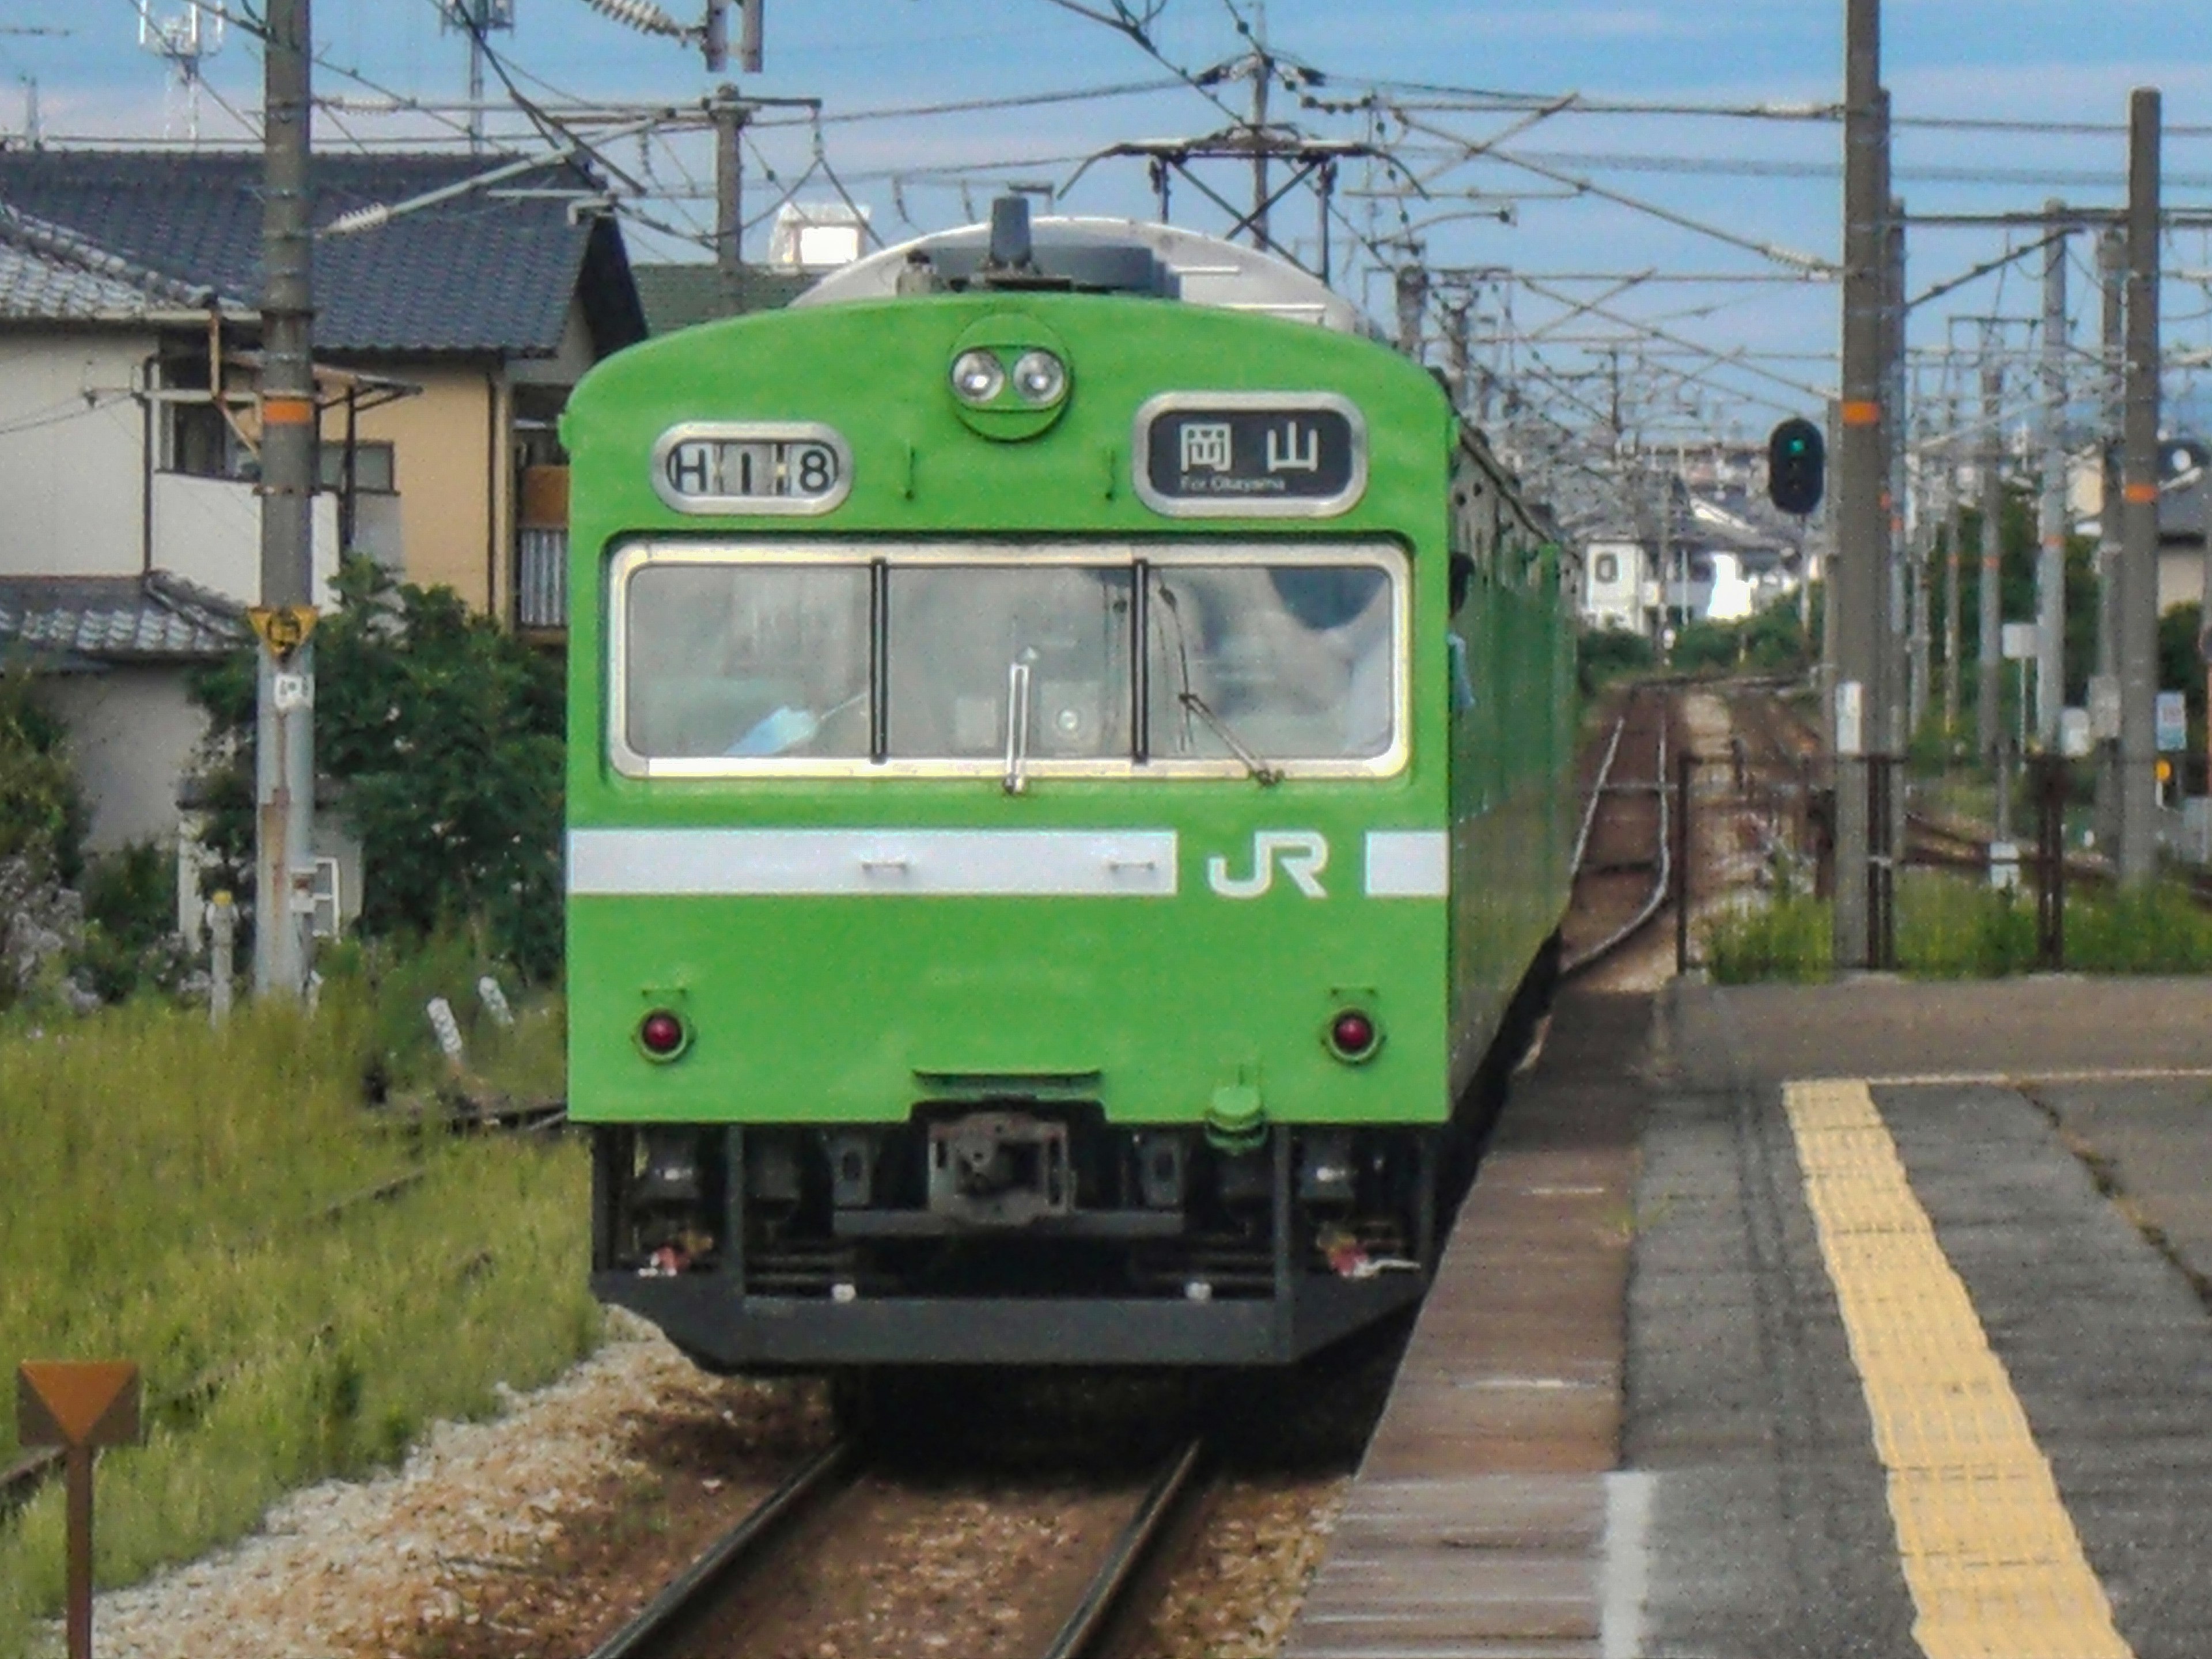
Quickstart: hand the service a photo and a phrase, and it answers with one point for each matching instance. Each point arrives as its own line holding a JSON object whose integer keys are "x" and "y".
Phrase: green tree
{"x": 43, "y": 816}
{"x": 445, "y": 733}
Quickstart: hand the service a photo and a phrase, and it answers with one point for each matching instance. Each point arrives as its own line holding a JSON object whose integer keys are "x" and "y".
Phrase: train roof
{"x": 1100, "y": 256}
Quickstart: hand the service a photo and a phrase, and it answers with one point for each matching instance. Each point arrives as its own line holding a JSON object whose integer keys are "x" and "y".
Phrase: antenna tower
{"x": 184, "y": 41}
{"x": 477, "y": 19}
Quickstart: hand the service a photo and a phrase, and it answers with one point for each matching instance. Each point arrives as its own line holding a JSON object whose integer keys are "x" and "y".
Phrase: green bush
{"x": 130, "y": 941}
{"x": 1786, "y": 938}
{"x": 447, "y": 734}
{"x": 43, "y": 816}
{"x": 1605, "y": 655}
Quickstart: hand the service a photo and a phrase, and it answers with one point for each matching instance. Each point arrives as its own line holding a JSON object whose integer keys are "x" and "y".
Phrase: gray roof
{"x": 76, "y": 623}
{"x": 490, "y": 270}
{"x": 50, "y": 272}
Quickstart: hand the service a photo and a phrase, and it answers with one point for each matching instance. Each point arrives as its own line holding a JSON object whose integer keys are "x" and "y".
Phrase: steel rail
{"x": 1596, "y": 796}
{"x": 1080, "y": 1637}
{"x": 658, "y": 1624}
{"x": 1663, "y": 881}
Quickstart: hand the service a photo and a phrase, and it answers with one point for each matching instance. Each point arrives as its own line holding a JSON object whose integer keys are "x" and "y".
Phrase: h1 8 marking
{"x": 1303, "y": 854}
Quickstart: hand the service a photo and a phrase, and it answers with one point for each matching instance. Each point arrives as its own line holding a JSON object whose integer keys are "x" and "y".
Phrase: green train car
{"x": 1069, "y": 749}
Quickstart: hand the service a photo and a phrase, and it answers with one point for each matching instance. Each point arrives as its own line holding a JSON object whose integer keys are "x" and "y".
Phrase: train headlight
{"x": 978, "y": 377}
{"x": 1011, "y": 376}
{"x": 1040, "y": 378}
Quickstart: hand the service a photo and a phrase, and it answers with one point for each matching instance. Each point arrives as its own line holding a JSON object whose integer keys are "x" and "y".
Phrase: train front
{"x": 1007, "y": 856}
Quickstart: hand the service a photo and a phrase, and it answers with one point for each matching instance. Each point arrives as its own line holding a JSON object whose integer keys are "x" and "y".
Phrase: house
{"x": 114, "y": 652}
{"x": 458, "y": 299}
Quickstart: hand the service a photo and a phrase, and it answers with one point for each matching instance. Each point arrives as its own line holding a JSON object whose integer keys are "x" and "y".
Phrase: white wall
{"x": 133, "y": 732}
{"x": 71, "y": 439}
{"x": 1615, "y": 603}
{"x": 208, "y": 530}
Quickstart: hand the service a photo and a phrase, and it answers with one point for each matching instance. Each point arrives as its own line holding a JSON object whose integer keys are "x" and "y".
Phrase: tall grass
{"x": 164, "y": 1199}
{"x": 1949, "y": 928}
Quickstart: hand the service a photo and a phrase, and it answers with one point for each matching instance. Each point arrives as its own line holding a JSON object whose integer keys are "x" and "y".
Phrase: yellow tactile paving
{"x": 1990, "y": 1556}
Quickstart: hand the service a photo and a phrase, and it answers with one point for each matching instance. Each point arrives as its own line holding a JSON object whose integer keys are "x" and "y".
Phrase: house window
{"x": 1609, "y": 567}
{"x": 202, "y": 445}
{"x": 374, "y": 472}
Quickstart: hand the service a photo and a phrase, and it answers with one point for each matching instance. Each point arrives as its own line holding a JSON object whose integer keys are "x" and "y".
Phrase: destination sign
{"x": 1242, "y": 454}
{"x": 762, "y": 467}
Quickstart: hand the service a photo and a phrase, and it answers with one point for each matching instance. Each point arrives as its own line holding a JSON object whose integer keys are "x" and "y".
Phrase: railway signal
{"x": 1797, "y": 466}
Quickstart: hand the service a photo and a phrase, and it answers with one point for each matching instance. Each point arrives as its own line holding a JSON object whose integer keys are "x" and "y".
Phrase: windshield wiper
{"x": 1017, "y": 720}
{"x": 1263, "y": 773}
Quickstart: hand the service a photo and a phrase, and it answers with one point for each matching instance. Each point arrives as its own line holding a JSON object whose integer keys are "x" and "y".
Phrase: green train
{"x": 1068, "y": 784}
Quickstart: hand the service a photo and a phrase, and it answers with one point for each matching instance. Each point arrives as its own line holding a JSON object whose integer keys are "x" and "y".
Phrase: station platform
{"x": 1860, "y": 1320}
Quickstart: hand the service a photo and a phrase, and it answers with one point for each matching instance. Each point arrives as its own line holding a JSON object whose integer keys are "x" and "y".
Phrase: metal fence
{"x": 1971, "y": 874}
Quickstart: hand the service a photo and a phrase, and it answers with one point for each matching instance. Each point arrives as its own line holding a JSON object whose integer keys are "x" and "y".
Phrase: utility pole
{"x": 284, "y": 748}
{"x": 1859, "y": 589}
{"x": 730, "y": 113}
{"x": 2105, "y": 689}
{"x": 2051, "y": 524}
{"x": 1989, "y": 632}
{"x": 1954, "y": 525}
{"x": 1897, "y": 648}
{"x": 2138, "y": 630}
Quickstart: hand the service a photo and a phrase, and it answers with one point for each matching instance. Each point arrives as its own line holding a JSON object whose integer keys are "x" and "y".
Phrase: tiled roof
{"x": 48, "y": 271}
{"x": 491, "y": 270}
{"x": 677, "y": 296}
{"x": 73, "y": 622}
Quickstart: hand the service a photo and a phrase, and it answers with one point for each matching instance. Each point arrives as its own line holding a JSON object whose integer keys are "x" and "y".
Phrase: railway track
{"x": 1624, "y": 853}
{"x": 739, "y": 1597}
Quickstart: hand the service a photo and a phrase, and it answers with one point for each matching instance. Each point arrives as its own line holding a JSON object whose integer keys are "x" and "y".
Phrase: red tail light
{"x": 661, "y": 1033}
{"x": 1353, "y": 1034}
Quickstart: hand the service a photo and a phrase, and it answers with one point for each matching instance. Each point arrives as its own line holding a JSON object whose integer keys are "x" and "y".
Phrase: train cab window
{"x": 747, "y": 661}
{"x": 1293, "y": 662}
{"x": 945, "y": 659}
{"x": 969, "y": 644}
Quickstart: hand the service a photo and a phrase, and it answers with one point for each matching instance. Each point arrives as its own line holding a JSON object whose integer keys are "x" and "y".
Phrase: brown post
{"x": 78, "y": 1464}
{"x": 78, "y": 1407}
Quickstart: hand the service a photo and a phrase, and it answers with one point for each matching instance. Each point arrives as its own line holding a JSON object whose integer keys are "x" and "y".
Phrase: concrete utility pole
{"x": 2138, "y": 630}
{"x": 1955, "y": 524}
{"x": 284, "y": 749}
{"x": 730, "y": 114}
{"x": 1859, "y": 590}
{"x": 2105, "y": 689}
{"x": 1896, "y": 653}
{"x": 1989, "y": 630}
{"x": 2050, "y": 519}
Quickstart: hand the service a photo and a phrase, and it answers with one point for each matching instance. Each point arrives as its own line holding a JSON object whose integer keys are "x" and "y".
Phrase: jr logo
{"x": 1301, "y": 853}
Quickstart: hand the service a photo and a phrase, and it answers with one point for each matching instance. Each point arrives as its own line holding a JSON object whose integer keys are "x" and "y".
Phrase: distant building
{"x": 447, "y": 335}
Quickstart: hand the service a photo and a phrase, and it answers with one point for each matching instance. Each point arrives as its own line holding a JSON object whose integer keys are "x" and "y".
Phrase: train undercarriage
{"x": 1014, "y": 1231}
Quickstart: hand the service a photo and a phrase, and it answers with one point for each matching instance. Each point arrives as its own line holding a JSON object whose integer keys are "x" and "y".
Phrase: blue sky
{"x": 2044, "y": 60}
